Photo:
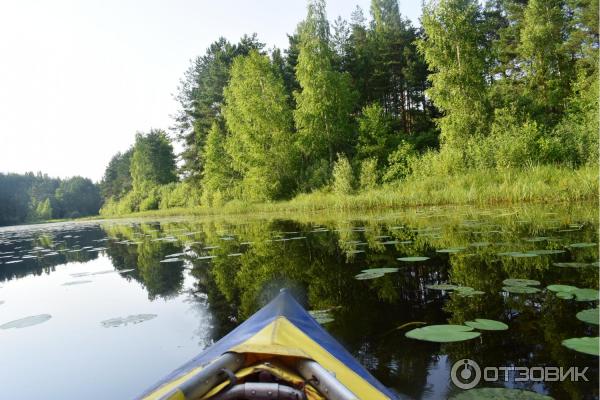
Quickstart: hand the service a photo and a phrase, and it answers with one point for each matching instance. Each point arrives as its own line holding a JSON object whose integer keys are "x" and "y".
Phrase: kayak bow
{"x": 280, "y": 352}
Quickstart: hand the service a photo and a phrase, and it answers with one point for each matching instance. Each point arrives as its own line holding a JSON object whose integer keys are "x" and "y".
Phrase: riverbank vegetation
{"x": 37, "y": 197}
{"x": 482, "y": 104}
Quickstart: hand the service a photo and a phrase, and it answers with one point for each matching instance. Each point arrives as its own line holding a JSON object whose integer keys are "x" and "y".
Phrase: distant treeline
{"x": 355, "y": 104}
{"x": 30, "y": 197}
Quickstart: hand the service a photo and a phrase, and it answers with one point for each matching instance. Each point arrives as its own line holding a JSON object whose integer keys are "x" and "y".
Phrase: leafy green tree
{"x": 343, "y": 176}
{"x": 78, "y": 197}
{"x": 546, "y": 65}
{"x": 200, "y": 95}
{"x": 369, "y": 174}
{"x": 376, "y": 139}
{"x": 219, "y": 180}
{"x": 152, "y": 161}
{"x": 44, "y": 210}
{"x": 117, "y": 176}
{"x": 259, "y": 117}
{"x": 326, "y": 98}
{"x": 454, "y": 48}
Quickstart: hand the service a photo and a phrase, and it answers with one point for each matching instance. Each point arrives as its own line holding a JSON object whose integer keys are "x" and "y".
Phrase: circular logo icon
{"x": 465, "y": 374}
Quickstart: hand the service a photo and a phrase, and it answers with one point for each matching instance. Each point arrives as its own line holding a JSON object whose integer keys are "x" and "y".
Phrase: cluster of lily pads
{"x": 463, "y": 291}
{"x": 374, "y": 273}
{"x": 520, "y": 286}
{"x": 455, "y": 333}
{"x": 568, "y": 292}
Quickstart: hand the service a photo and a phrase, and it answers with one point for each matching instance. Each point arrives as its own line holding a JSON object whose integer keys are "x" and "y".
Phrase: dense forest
{"x": 351, "y": 105}
{"x": 36, "y": 197}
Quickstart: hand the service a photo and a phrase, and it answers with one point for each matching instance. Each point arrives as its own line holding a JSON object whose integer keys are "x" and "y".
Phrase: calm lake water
{"x": 119, "y": 304}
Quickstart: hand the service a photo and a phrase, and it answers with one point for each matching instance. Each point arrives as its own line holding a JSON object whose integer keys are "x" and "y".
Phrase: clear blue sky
{"x": 79, "y": 78}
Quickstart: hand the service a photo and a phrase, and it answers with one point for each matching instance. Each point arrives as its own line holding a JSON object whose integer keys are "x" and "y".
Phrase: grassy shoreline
{"x": 538, "y": 184}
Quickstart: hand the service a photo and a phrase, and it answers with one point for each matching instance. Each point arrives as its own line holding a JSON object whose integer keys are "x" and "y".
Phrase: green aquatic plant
{"x": 374, "y": 273}
{"x": 487, "y": 325}
{"x": 574, "y": 264}
{"x": 520, "y": 289}
{"x": 520, "y": 282}
{"x": 442, "y": 286}
{"x": 464, "y": 291}
{"x": 26, "y": 322}
{"x": 124, "y": 321}
{"x": 591, "y": 315}
{"x": 587, "y": 345}
{"x": 172, "y": 260}
{"x": 443, "y": 333}
{"x": 544, "y": 252}
{"x": 413, "y": 259}
{"x": 583, "y": 245}
{"x": 567, "y": 292}
{"x": 451, "y": 250}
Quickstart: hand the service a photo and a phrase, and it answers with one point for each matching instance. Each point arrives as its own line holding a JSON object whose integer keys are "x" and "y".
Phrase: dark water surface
{"x": 110, "y": 318}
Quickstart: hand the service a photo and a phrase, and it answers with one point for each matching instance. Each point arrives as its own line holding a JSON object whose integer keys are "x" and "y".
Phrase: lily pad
{"x": 520, "y": 282}
{"x": 586, "y": 294}
{"x": 517, "y": 254}
{"x": 442, "y": 286}
{"x": 499, "y": 394}
{"x": 561, "y": 288}
{"x": 26, "y": 322}
{"x": 487, "y": 325}
{"x": 443, "y": 333}
{"x": 591, "y": 315}
{"x": 565, "y": 295}
{"x": 583, "y": 245}
{"x": 385, "y": 270}
{"x": 75, "y": 283}
{"x": 573, "y": 264}
{"x": 451, "y": 250}
{"x": 520, "y": 289}
{"x": 175, "y": 255}
{"x": 587, "y": 345}
{"x": 131, "y": 319}
{"x": 369, "y": 275}
{"x": 466, "y": 291}
{"x": 171, "y": 260}
{"x": 413, "y": 259}
{"x": 544, "y": 252}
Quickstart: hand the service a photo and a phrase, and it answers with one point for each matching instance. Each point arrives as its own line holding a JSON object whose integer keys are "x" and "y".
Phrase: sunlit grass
{"x": 537, "y": 184}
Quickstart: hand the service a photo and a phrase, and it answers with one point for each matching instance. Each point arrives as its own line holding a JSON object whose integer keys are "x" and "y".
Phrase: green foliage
{"x": 152, "y": 161}
{"x": 43, "y": 210}
{"x": 454, "y": 48}
{"x": 343, "y": 176}
{"x": 375, "y": 137}
{"x": 218, "y": 175}
{"x": 258, "y": 115}
{"x": 77, "y": 197}
{"x": 511, "y": 86}
{"x": 180, "y": 194}
{"x": 399, "y": 162}
{"x": 545, "y": 62}
{"x": 369, "y": 174}
{"x": 326, "y": 98}
{"x": 200, "y": 95}
{"x": 117, "y": 176}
